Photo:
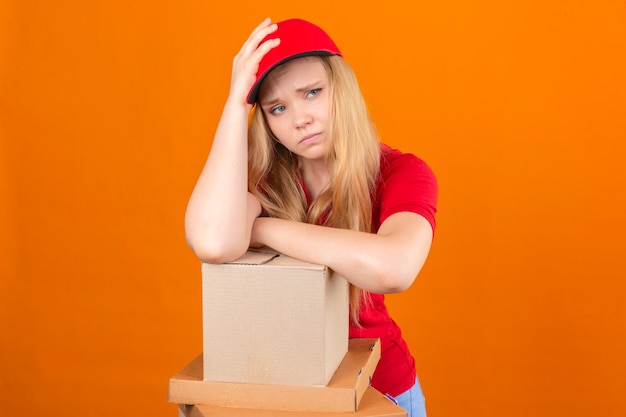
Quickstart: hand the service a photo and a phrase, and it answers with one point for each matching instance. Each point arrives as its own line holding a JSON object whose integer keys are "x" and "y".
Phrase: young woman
{"x": 306, "y": 175}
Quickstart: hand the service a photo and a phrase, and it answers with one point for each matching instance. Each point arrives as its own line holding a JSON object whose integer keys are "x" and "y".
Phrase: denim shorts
{"x": 413, "y": 401}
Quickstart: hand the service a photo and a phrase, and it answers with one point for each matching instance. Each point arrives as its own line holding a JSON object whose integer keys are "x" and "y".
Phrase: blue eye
{"x": 277, "y": 109}
{"x": 313, "y": 92}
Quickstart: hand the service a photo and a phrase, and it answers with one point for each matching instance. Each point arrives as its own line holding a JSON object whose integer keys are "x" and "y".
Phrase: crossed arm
{"x": 385, "y": 262}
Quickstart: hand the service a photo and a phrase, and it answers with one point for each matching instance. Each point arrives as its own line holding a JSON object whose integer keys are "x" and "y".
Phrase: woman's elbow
{"x": 214, "y": 250}
{"x": 392, "y": 283}
{"x": 396, "y": 279}
{"x": 216, "y": 253}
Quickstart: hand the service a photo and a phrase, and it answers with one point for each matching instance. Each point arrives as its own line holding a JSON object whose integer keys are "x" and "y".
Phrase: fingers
{"x": 261, "y": 31}
{"x": 246, "y": 62}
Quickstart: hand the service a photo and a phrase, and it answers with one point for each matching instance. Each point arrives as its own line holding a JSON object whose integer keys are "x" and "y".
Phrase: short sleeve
{"x": 406, "y": 183}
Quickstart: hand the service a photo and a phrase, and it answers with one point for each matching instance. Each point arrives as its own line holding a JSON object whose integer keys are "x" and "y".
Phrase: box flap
{"x": 254, "y": 257}
{"x": 267, "y": 256}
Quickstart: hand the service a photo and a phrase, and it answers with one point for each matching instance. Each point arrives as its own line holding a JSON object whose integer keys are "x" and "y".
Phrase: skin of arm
{"x": 385, "y": 262}
{"x": 221, "y": 211}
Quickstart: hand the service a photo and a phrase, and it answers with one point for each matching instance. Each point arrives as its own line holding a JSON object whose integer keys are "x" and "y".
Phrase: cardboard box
{"x": 374, "y": 404}
{"x": 343, "y": 393}
{"x": 271, "y": 319}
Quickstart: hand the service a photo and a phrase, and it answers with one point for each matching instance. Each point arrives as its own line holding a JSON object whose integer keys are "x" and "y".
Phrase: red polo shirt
{"x": 405, "y": 183}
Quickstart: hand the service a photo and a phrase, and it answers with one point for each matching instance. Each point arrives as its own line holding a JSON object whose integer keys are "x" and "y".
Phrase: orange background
{"x": 107, "y": 112}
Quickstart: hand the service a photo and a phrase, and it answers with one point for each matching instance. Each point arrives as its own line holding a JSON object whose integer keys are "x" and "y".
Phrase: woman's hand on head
{"x": 246, "y": 62}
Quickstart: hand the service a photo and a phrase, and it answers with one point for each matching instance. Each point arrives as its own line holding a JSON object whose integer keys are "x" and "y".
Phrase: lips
{"x": 309, "y": 138}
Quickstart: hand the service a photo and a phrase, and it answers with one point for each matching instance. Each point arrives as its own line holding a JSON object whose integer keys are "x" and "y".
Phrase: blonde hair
{"x": 353, "y": 159}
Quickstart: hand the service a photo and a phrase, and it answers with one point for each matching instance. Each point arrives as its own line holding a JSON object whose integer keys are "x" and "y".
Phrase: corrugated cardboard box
{"x": 374, "y": 404}
{"x": 343, "y": 393}
{"x": 271, "y": 319}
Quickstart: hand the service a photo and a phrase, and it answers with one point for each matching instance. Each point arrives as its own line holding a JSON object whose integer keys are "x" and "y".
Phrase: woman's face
{"x": 295, "y": 98}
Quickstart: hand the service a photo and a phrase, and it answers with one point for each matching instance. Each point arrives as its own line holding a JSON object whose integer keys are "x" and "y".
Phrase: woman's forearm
{"x": 385, "y": 262}
{"x": 220, "y": 212}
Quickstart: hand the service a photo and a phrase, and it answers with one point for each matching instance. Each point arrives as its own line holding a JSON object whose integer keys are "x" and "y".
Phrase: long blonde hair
{"x": 353, "y": 159}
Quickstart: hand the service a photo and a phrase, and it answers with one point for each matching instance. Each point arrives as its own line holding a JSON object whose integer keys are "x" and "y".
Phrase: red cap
{"x": 298, "y": 38}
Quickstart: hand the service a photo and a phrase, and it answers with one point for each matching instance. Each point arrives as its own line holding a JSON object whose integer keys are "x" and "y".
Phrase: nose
{"x": 302, "y": 116}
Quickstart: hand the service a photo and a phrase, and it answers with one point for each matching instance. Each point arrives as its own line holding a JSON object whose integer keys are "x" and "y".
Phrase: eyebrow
{"x": 307, "y": 87}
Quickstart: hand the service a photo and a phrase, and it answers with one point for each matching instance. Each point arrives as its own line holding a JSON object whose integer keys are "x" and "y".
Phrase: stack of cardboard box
{"x": 275, "y": 343}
